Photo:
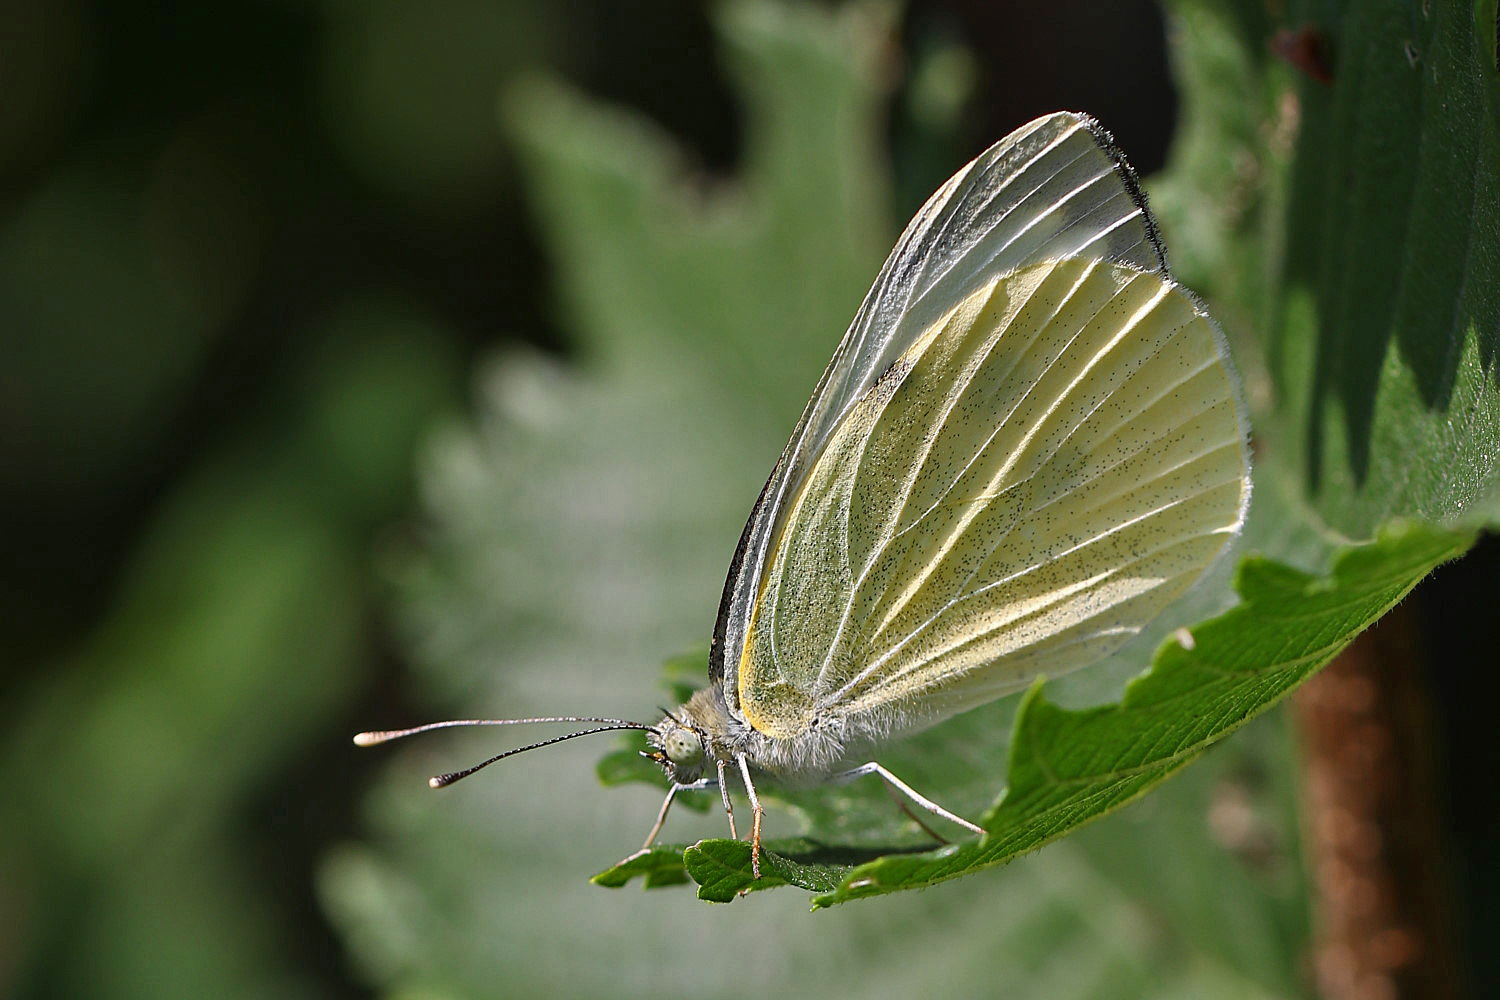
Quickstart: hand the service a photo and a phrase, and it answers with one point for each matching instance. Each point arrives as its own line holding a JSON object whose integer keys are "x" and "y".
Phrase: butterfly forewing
{"x": 1028, "y": 485}
{"x": 1054, "y": 188}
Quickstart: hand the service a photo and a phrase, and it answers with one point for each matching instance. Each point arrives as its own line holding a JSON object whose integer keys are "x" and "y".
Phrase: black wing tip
{"x": 1105, "y": 140}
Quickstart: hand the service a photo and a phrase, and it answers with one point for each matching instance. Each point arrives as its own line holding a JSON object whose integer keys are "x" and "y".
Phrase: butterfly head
{"x": 680, "y": 746}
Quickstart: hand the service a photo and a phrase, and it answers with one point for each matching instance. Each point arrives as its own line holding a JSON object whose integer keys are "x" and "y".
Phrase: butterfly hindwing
{"x": 1054, "y": 188}
{"x": 1030, "y": 483}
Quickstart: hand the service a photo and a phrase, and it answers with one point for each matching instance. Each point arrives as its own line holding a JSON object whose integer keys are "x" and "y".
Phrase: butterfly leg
{"x": 906, "y": 810}
{"x": 911, "y": 793}
{"x": 728, "y": 806}
{"x": 661, "y": 816}
{"x": 755, "y": 814}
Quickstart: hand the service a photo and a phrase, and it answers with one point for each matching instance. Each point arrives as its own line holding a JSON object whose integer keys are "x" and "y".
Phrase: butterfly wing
{"x": 1030, "y": 482}
{"x": 1053, "y": 188}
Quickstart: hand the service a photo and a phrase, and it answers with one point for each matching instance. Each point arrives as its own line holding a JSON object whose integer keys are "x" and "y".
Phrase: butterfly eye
{"x": 683, "y": 747}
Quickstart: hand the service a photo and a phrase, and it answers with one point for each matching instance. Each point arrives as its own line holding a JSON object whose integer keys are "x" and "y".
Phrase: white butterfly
{"x": 1027, "y": 444}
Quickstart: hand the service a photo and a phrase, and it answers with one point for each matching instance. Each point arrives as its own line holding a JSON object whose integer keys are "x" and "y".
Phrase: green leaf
{"x": 723, "y": 871}
{"x": 1353, "y": 243}
{"x": 1384, "y": 347}
{"x": 662, "y": 865}
{"x": 722, "y": 867}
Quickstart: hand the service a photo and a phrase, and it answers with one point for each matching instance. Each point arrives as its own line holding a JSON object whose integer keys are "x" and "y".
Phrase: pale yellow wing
{"x": 1029, "y": 484}
{"x": 1055, "y": 187}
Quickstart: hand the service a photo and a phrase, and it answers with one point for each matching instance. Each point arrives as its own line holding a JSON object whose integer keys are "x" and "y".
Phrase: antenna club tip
{"x": 437, "y": 781}
{"x": 367, "y": 739}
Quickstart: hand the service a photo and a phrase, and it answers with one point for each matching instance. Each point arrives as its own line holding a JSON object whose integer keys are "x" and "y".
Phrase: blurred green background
{"x": 371, "y": 362}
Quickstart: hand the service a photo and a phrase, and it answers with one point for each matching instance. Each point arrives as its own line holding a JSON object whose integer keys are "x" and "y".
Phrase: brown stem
{"x": 1382, "y": 904}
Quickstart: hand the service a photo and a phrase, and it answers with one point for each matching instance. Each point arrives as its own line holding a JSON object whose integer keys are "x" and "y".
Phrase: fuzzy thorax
{"x": 703, "y": 731}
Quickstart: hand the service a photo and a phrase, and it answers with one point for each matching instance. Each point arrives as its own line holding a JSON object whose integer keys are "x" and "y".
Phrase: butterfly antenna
{"x": 386, "y": 735}
{"x": 444, "y": 780}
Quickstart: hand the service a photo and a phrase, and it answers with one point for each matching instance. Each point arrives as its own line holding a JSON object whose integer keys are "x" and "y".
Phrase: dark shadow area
{"x": 1461, "y": 658}
{"x": 1386, "y": 224}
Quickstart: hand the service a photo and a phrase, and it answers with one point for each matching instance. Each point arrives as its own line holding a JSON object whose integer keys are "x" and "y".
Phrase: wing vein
{"x": 899, "y": 509}
{"x": 1062, "y": 594}
{"x": 1022, "y": 445}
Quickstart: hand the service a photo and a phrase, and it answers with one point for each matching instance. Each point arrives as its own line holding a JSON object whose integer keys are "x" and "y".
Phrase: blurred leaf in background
{"x": 219, "y": 347}
{"x": 126, "y": 829}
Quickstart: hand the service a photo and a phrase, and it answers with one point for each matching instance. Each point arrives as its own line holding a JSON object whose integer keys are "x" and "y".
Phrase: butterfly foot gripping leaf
{"x": 1026, "y": 445}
